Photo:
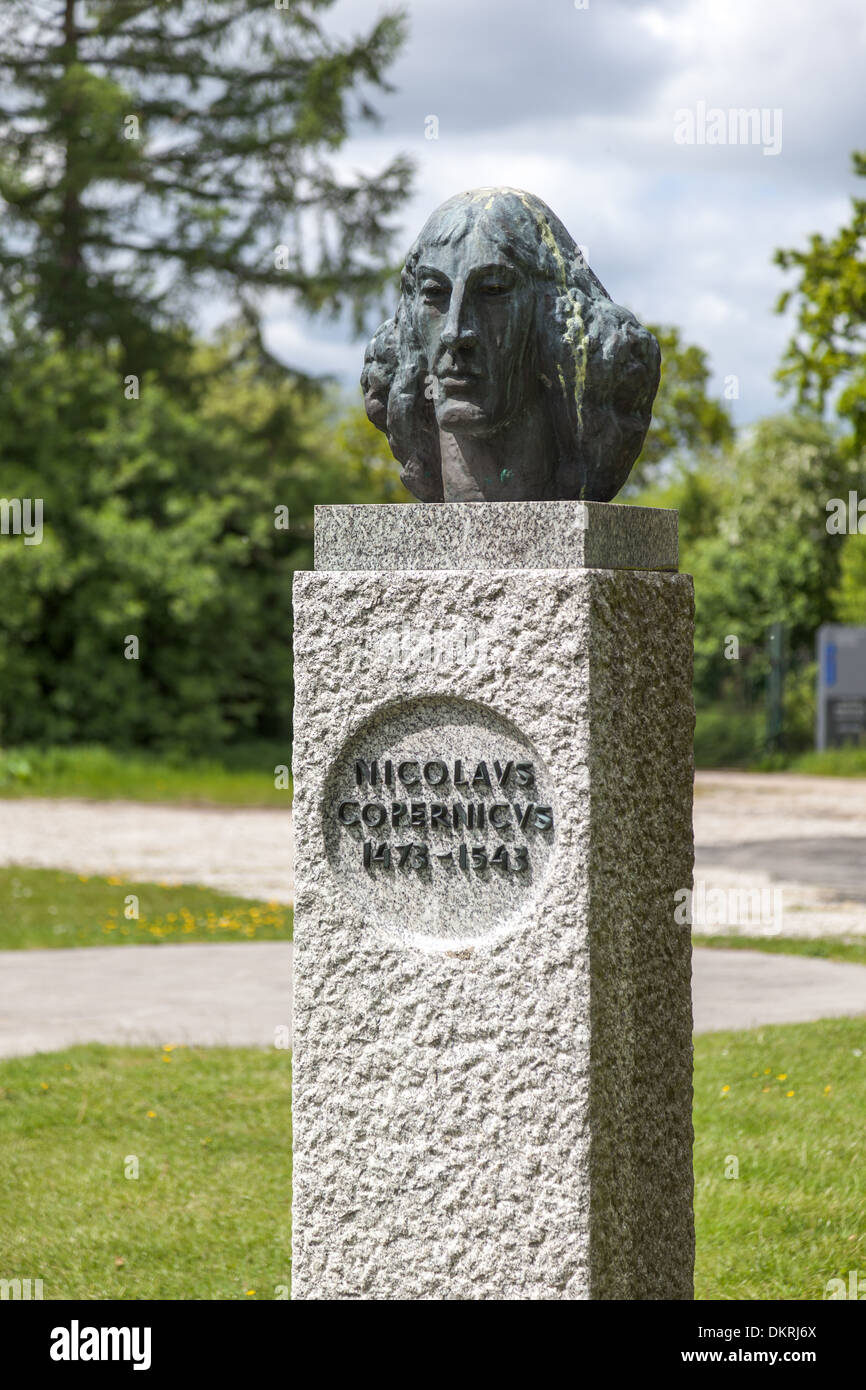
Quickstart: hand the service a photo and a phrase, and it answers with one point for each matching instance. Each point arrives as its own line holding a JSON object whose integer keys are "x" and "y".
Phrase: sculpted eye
{"x": 495, "y": 287}
{"x": 431, "y": 289}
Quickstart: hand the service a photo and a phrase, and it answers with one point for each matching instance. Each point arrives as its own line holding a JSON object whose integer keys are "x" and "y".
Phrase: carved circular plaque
{"x": 439, "y": 821}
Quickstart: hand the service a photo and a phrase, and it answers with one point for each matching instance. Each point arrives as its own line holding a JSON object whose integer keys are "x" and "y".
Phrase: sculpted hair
{"x": 596, "y": 363}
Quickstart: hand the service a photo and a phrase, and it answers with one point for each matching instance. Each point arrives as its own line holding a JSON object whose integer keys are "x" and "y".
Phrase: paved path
{"x": 206, "y": 993}
{"x": 240, "y": 994}
{"x": 746, "y": 989}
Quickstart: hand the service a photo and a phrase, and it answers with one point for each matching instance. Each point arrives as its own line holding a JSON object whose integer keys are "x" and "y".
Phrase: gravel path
{"x": 803, "y": 835}
{"x": 240, "y": 994}
{"x": 246, "y": 851}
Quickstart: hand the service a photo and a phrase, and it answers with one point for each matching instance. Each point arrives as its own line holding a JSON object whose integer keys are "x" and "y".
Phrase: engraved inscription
{"x": 379, "y": 779}
{"x": 439, "y": 821}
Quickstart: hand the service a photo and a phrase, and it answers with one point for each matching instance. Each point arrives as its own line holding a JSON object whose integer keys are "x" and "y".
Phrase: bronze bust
{"x": 507, "y": 372}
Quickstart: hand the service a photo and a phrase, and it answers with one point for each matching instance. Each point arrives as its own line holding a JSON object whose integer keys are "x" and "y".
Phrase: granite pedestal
{"x": 493, "y": 797}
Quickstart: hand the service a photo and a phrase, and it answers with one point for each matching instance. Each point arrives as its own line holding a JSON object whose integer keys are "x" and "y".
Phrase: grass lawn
{"x": 208, "y": 1215}
{"x": 788, "y": 1103}
{"x": 46, "y": 907}
{"x": 243, "y": 776}
{"x": 829, "y": 762}
{"x": 848, "y": 948}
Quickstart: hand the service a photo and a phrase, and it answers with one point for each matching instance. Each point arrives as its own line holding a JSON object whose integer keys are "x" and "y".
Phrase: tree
{"x": 174, "y": 517}
{"x": 152, "y": 149}
{"x": 368, "y": 468}
{"x": 696, "y": 490}
{"x": 828, "y": 349}
{"x": 686, "y": 421}
{"x": 772, "y": 558}
{"x": 850, "y": 595}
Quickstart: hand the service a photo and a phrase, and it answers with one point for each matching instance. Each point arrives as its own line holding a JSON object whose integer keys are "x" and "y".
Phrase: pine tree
{"x": 152, "y": 150}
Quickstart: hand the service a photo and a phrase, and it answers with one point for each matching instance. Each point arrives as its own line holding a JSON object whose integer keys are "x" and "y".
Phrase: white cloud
{"x": 578, "y": 106}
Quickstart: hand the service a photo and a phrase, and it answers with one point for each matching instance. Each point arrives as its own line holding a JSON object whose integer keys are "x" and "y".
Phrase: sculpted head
{"x": 507, "y": 363}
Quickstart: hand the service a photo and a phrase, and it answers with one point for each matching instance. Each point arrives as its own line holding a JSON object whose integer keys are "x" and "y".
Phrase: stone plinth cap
{"x": 495, "y": 536}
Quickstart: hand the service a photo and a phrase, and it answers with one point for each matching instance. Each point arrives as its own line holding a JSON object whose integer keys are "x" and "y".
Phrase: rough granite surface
{"x": 495, "y": 536}
{"x": 492, "y": 1079}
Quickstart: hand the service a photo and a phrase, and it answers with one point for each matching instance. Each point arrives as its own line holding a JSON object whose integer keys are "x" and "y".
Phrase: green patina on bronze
{"x": 508, "y": 373}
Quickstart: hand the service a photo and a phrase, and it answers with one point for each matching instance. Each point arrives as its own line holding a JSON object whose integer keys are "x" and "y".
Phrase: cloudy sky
{"x": 584, "y": 107}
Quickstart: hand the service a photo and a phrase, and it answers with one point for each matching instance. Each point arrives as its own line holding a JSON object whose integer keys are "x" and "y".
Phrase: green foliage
{"x": 753, "y": 533}
{"x": 151, "y": 150}
{"x": 828, "y": 350}
{"x": 726, "y": 737}
{"x": 850, "y": 594}
{"x": 698, "y": 493}
{"x": 771, "y": 558}
{"x": 800, "y": 705}
{"x": 686, "y": 421}
{"x": 160, "y": 522}
{"x": 368, "y": 468}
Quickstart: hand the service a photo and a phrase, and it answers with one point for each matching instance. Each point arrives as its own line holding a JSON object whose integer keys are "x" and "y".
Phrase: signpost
{"x": 841, "y": 717}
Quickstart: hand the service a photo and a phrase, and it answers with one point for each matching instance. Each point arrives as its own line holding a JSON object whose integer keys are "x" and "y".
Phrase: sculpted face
{"x": 375, "y": 383}
{"x": 473, "y": 312}
{"x": 507, "y": 373}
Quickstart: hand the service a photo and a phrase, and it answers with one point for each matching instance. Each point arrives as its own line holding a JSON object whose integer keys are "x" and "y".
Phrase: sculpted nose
{"x": 458, "y": 331}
